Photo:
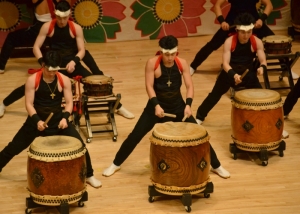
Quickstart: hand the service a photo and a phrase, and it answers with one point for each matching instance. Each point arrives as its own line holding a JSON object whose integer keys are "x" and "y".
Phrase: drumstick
{"x": 169, "y": 115}
{"x": 57, "y": 69}
{"x": 244, "y": 74}
{"x": 184, "y": 118}
{"x": 48, "y": 118}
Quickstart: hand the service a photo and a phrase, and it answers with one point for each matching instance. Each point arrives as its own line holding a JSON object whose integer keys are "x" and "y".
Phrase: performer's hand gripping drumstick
{"x": 243, "y": 75}
{"x": 169, "y": 115}
{"x": 47, "y": 120}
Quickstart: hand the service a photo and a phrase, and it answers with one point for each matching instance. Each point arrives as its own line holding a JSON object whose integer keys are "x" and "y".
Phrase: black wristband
{"x": 220, "y": 19}
{"x": 189, "y": 101}
{"x": 154, "y": 101}
{"x": 66, "y": 115}
{"x": 231, "y": 73}
{"x": 263, "y": 17}
{"x": 76, "y": 59}
{"x": 264, "y": 67}
{"x": 35, "y": 118}
{"x": 41, "y": 61}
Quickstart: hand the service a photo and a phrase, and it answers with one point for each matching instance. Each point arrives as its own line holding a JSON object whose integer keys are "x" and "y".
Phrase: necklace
{"x": 169, "y": 71}
{"x": 52, "y": 92}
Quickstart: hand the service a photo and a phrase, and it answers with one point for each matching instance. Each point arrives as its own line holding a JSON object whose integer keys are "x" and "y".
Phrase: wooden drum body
{"x": 98, "y": 85}
{"x": 295, "y": 14}
{"x": 56, "y": 170}
{"x": 277, "y": 44}
{"x": 180, "y": 158}
{"x": 257, "y": 119}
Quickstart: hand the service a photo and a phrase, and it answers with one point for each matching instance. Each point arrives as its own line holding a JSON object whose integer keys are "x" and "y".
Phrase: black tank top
{"x": 169, "y": 98}
{"x": 62, "y": 41}
{"x": 42, "y": 94}
{"x": 242, "y": 57}
{"x": 241, "y": 6}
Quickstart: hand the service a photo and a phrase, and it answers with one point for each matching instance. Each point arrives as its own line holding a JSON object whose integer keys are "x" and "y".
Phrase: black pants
{"x": 145, "y": 123}
{"x": 19, "y": 38}
{"x": 218, "y": 40}
{"x": 26, "y": 135}
{"x": 291, "y": 99}
{"x": 222, "y": 85}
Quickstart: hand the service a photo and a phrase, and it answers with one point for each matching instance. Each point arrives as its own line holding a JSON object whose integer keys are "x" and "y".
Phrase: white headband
{"x": 169, "y": 50}
{"x": 245, "y": 27}
{"x": 62, "y": 14}
{"x": 53, "y": 68}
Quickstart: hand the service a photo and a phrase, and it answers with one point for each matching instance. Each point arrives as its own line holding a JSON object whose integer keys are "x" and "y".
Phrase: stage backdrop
{"x": 121, "y": 20}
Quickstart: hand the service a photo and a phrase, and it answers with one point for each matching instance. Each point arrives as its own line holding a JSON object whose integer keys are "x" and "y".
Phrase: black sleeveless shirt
{"x": 241, "y": 6}
{"x": 62, "y": 41}
{"x": 170, "y": 98}
{"x": 242, "y": 57}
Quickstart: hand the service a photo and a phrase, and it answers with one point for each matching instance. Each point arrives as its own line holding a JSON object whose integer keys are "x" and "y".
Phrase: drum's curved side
{"x": 277, "y": 44}
{"x": 180, "y": 158}
{"x": 255, "y": 130}
{"x": 178, "y": 170}
{"x": 98, "y": 86}
{"x": 56, "y": 170}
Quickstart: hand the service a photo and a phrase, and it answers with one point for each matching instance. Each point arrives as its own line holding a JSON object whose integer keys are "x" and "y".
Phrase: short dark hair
{"x": 168, "y": 42}
{"x": 244, "y": 19}
{"x": 63, "y": 6}
{"x": 52, "y": 58}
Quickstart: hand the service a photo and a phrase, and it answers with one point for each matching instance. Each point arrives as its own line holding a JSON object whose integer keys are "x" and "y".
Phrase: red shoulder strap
{"x": 72, "y": 27}
{"x": 233, "y": 43}
{"x": 60, "y": 79}
{"x": 51, "y": 8}
{"x": 157, "y": 62}
{"x": 253, "y": 43}
{"x": 38, "y": 78}
{"x": 179, "y": 65}
{"x": 51, "y": 27}
{"x": 39, "y": 75}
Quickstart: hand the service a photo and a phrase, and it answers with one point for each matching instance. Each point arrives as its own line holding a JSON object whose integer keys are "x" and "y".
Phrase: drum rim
{"x": 50, "y": 155}
{"x": 280, "y": 39}
{"x": 273, "y": 100}
{"x": 92, "y": 78}
{"x": 200, "y": 135}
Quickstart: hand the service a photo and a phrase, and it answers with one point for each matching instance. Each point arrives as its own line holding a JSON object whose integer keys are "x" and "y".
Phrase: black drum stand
{"x": 63, "y": 208}
{"x": 186, "y": 198}
{"x": 262, "y": 154}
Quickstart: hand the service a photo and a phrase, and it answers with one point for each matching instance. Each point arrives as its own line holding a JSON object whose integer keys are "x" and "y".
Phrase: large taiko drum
{"x": 98, "y": 85}
{"x": 295, "y": 14}
{"x": 257, "y": 119}
{"x": 180, "y": 158}
{"x": 56, "y": 170}
{"x": 277, "y": 44}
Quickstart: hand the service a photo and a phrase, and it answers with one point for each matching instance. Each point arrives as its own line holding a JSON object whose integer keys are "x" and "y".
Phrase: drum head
{"x": 179, "y": 134}
{"x": 56, "y": 148}
{"x": 257, "y": 99}
{"x": 98, "y": 79}
{"x": 277, "y": 39}
{"x": 9, "y": 16}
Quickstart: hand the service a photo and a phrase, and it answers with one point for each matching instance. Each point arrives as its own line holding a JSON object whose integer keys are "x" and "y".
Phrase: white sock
{"x": 111, "y": 170}
{"x": 221, "y": 172}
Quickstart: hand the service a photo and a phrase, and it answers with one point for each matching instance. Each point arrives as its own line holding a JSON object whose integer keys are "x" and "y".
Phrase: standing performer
{"x": 237, "y": 6}
{"x": 239, "y": 52}
{"x": 70, "y": 45}
{"x": 163, "y": 76}
{"x": 43, "y": 95}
